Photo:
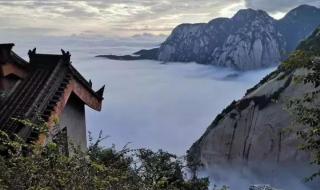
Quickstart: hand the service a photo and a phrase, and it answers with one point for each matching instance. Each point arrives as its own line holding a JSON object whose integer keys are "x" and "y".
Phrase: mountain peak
{"x": 304, "y": 18}
{"x": 251, "y": 39}
{"x": 303, "y": 10}
{"x": 245, "y": 14}
{"x": 305, "y": 7}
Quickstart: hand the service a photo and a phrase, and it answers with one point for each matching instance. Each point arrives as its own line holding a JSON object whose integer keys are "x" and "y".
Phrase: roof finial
{"x": 100, "y": 91}
{"x": 66, "y": 55}
{"x": 32, "y": 52}
{"x": 90, "y": 83}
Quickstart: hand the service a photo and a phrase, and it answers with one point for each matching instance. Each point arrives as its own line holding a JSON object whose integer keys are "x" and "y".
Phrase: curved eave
{"x": 80, "y": 91}
{"x": 10, "y": 68}
{"x": 19, "y": 60}
{"x": 88, "y": 97}
{"x": 85, "y": 84}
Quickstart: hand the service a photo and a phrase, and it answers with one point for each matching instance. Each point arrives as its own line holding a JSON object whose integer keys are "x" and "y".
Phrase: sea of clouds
{"x": 154, "y": 105}
{"x": 147, "y": 104}
{"x": 281, "y": 177}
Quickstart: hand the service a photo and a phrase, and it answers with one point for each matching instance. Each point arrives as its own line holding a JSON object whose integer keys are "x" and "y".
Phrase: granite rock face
{"x": 257, "y": 132}
{"x": 251, "y": 39}
{"x": 298, "y": 24}
{"x": 255, "y": 128}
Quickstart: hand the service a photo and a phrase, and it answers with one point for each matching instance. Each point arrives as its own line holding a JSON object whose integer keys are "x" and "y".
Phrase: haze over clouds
{"x": 122, "y": 17}
{"x": 147, "y": 103}
{"x": 163, "y": 106}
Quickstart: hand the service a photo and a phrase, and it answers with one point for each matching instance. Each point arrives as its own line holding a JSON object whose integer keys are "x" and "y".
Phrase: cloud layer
{"x": 278, "y": 5}
{"x": 123, "y": 17}
{"x": 149, "y": 104}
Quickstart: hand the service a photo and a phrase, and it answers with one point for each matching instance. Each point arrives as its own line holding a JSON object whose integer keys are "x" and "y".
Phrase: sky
{"x": 123, "y": 17}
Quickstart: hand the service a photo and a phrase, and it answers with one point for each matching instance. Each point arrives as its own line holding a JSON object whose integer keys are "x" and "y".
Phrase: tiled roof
{"x": 6, "y": 55}
{"x": 35, "y": 96}
{"x": 17, "y": 59}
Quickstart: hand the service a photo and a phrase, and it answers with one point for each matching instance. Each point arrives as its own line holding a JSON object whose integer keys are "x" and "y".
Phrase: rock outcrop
{"x": 298, "y": 24}
{"x": 142, "y": 54}
{"x": 251, "y": 39}
{"x": 255, "y": 128}
{"x": 256, "y": 131}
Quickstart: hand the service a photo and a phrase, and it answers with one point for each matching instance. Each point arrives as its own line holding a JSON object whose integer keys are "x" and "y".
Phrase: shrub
{"x": 32, "y": 166}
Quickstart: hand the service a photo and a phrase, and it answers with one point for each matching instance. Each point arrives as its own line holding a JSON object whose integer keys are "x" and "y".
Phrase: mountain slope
{"x": 298, "y": 24}
{"x": 256, "y": 131}
{"x": 251, "y": 39}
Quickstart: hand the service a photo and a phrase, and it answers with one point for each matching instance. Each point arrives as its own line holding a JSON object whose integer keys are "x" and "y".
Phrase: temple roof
{"x": 7, "y": 55}
{"x": 49, "y": 82}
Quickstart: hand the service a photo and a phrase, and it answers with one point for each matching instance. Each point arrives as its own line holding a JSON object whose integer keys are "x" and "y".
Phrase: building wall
{"x": 73, "y": 118}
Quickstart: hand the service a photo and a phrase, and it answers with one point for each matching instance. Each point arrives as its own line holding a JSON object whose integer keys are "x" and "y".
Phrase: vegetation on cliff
{"x": 307, "y": 109}
{"x": 32, "y": 166}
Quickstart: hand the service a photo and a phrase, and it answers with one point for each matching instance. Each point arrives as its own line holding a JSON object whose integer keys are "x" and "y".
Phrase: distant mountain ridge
{"x": 251, "y": 39}
{"x": 298, "y": 24}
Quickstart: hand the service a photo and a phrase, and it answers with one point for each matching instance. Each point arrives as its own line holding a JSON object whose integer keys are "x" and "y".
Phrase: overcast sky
{"x": 123, "y": 17}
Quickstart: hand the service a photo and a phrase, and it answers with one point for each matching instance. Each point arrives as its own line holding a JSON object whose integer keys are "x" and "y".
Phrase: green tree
{"x": 164, "y": 171}
{"x": 32, "y": 167}
{"x": 307, "y": 112}
{"x": 307, "y": 109}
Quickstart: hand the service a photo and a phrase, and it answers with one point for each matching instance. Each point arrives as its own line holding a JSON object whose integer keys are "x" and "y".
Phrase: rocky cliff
{"x": 251, "y": 39}
{"x": 298, "y": 25}
{"x": 256, "y": 131}
{"x": 255, "y": 128}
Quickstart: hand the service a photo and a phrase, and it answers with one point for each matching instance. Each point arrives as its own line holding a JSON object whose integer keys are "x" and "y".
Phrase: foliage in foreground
{"x": 31, "y": 166}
